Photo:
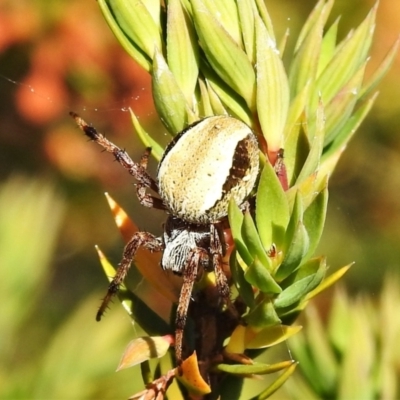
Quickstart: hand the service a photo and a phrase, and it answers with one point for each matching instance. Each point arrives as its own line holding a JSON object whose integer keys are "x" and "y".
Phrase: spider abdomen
{"x": 205, "y": 165}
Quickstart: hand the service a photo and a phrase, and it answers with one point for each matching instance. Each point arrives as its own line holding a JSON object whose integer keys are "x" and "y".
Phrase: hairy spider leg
{"x": 146, "y": 199}
{"x": 139, "y": 239}
{"x": 216, "y": 251}
{"x": 137, "y": 170}
{"x": 189, "y": 277}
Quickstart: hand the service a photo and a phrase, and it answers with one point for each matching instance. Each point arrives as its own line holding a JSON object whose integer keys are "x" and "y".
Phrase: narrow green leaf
{"x": 130, "y": 47}
{"x": 242, "y": 285}
{"x": 226, "y": 58}
{"x": 344, "y": 136}
{"x": 246, "y": 18}
{"x": 314, "y": 220}
{"x": 272, "y": 88}
{"x": 188, "y": 7}
{"x": 169, "y": 100}
{"x": 142, "y": 31}
{"x": 265, "y": 17}
{"x": 294, "y": 293}
{"x": 271, "y": 336}
{"x": 328, "y": 281}
{"x": 229, "y": 98}
{"x": 274, "y": 386}
{"x": 263, "y": 314}
{"x": 295, "y": 253}
{"x": 235, "y": 217}
{"x": 236, "y": 342}
{"x": 215, "y": 101}
{"x": 364, "y": 352}
{"x": 295, "y": 217}
{"x": 305, "y": 279}
{"x": 272, "y": 209}
{"x": 299, "y": 346}
{"x": 316, "y": 267}
{"x": 182, "y": 49}
{"x": 321, "y": 350}
{"x": 253, "y": 369}
{"x": 156, "y": 150}
{"x": 226, "y": 13}
{"x": 253, "y": 243}
{"x": 328, "y": 46}
{"x": 350, "y": 55}
{"x": 340, "y": 108}
{"x": 258, "y": 276}
{"x": 304, "y": 67}
{"x": 339, "y": 323}
{"x": 296, "y": 109}
{"x": 383, "y": 68}
{"x": 296, "y": 142}
{"x": 283, "y": 42}
{"x": 321, "y": 8}
{"x": 307, "y": 188}
{"x": 312, "y": 162}
{"x": 154, "y": 9}
{"x": 204, "y": 103}
{"x": 296, "y": 148}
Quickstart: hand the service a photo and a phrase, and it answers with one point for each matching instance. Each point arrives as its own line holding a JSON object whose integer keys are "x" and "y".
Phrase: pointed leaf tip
{"x": 189, "y": 375}
{"x": 143, "y": 349}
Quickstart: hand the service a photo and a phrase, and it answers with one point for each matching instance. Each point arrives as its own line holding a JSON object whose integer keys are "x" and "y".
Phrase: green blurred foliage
{"x": 63, "y": 57}
{"x": 39, "y": 358}
{"x": 352, "y": 352}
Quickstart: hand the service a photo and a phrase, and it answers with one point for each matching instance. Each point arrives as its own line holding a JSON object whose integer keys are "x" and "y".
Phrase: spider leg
{"x": 148, "y": 200}
{"x": 216, "y": 251}
{"x": 189, "y": 278}
{"x": 137, "y": 170}
{"x": 139, "y": 239}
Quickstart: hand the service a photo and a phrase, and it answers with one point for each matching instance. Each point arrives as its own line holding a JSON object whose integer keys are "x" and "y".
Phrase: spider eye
{"x": 207, "y": 164}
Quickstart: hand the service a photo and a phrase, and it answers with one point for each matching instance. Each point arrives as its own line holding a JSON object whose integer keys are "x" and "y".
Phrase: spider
{"x": 203, "y": 167}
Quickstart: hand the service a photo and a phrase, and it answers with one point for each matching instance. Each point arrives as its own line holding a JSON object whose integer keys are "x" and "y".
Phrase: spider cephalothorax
{"x": 206, "y": 165}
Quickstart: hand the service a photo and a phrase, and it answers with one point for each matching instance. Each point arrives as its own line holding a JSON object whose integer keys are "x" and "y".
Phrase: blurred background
{"x": 57, "y": 56}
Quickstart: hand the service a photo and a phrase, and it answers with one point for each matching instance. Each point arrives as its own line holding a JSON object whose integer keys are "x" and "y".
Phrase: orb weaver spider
{"x": 205, "y": 165}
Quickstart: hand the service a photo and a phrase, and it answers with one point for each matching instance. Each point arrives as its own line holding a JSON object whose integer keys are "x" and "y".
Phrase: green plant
{"x": 45, "y": 353}
{"x": 353, "y": 354}
{"x": 208, "y": 58}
